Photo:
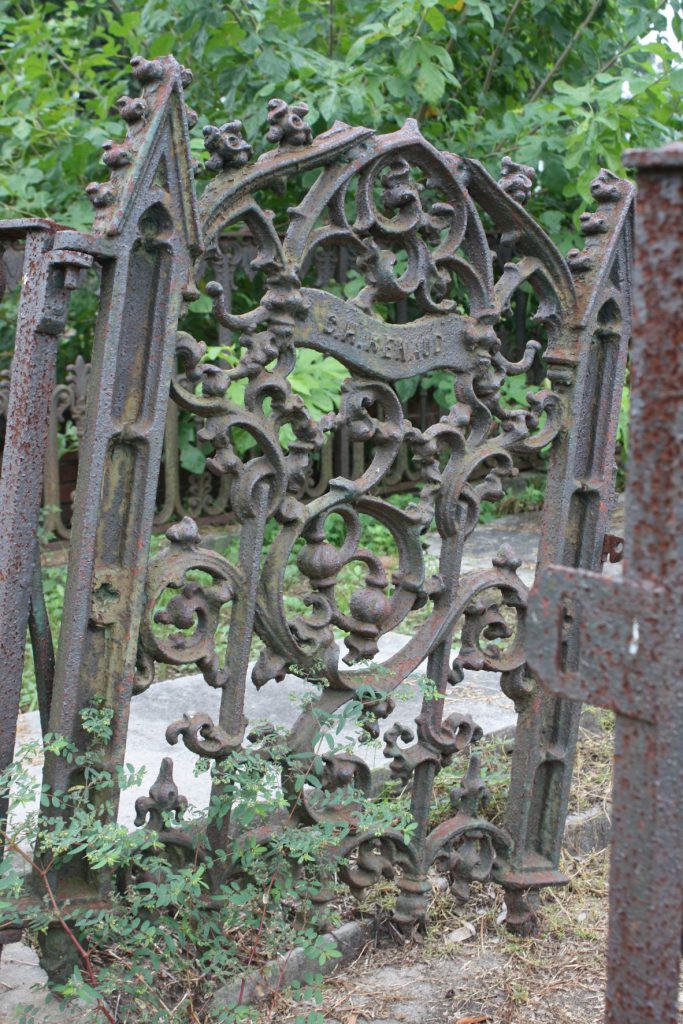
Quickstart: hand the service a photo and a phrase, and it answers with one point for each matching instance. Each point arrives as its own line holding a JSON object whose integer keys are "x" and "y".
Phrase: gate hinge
{"x": 55, "y": 309}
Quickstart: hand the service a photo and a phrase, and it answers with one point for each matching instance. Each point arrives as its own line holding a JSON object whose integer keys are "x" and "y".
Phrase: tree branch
{"x": 494, "y": 56}
{"x": 608, "y": 64}
{"x": 330, "y": 29}
{"x": 565, "y": 53}
{"x": 61, "y": 920}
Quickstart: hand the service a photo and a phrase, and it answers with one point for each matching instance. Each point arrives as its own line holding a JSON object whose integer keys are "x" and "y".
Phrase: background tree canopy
{"x": 565, "y": 85}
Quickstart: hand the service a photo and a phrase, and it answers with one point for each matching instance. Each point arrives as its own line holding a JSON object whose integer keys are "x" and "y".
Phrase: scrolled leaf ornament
{"x": 203, "y": 737}
{"x": 195, "y": 609}
{"x": 443, "y": 257}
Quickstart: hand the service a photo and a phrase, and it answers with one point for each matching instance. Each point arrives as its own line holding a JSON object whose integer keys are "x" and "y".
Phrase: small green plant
{"x": 530, "y": 499}
{"x": 622, "y": 436}
{"x": 180, "y": 919}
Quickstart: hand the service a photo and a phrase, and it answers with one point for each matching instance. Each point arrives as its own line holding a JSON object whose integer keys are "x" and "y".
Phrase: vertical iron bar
{"x": 413, "y": 901}
{"x": 646, "y": 878}
{"x": 31, "y": 383}
{"x": 42, "y": 644}
{"x": 47, "y": 278}
{"x": 232, "y": 719}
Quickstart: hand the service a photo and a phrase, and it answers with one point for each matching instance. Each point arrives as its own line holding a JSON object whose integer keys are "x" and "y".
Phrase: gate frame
{"x": 626, "y": 633}
{"x": 108, "y": 618}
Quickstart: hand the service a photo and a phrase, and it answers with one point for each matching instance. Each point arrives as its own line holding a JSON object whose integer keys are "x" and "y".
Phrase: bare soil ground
{"x": 468, "y": 969}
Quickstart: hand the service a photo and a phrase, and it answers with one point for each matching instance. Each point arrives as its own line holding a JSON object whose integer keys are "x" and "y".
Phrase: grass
{"x": 468, "y": 968}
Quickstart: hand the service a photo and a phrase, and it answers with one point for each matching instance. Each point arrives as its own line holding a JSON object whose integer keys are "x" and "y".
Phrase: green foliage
{"x": 567, "y": 83}
{"x": 560, "y": 84}
{"x": 529, "y": 499}
{"x": 622, "y": 435}
{"x": 165, "y": 937}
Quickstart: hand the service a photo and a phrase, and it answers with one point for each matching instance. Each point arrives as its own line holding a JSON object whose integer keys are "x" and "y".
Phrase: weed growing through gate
{"x": 167, "y": 920}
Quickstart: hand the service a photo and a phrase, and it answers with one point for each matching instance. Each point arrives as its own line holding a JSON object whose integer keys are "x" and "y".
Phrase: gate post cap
{"x": 670, "y": 155}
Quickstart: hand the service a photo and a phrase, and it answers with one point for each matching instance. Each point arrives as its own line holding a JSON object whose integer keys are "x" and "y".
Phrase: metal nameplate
{"x": 388, "y": 351}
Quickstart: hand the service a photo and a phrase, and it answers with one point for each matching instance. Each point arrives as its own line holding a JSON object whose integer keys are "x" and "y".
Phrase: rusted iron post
{"x": 627, "y": 633}
{"x": 49, "y": 274}
{"x": 146, "y": 236}
{"x": 587, "y": 366}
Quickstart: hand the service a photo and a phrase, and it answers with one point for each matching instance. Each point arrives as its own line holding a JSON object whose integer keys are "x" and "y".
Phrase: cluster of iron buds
{"x": 135, "y": 111}
{"x": 229, "y": 149}
{"x": 607, "y": 189}
{"x": 226, "y": 145}
{"x": 287, "y": 124}
{"x": 516, "y": 180}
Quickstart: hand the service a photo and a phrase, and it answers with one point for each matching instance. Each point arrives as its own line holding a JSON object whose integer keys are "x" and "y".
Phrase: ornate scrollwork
{"x": 420, "y": 225}
{"x": 195, "y": 609}
{"x": 203, "y": 737}
{"x": 516, "y": 180}
{"x": 467, "y": 847}
{"x": 367, "y": 859}
{"x": 436, "y": 744}
{"x": 488, "y": 621}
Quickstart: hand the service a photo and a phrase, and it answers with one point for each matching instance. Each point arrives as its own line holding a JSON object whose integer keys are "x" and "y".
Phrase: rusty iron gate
{"x": 419, "y": 223}
{"x": 203, "y": 495}
{"x": 614, "y": 642}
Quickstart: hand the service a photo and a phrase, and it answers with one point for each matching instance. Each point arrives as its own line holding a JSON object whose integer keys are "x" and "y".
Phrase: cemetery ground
{"x": 466, "y": 969}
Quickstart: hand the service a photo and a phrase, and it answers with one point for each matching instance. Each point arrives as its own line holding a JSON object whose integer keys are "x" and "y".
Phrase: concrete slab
{"x": 23, "y": 990}
{"x": 478, "y": 696}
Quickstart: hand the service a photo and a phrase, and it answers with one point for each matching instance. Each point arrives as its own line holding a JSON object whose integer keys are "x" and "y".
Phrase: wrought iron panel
{"x": 442, "y": 250}
{"x": 421, "y": 224}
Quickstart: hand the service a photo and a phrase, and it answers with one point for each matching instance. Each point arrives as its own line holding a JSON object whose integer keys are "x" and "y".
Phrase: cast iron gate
{"x": 418, "y": 222}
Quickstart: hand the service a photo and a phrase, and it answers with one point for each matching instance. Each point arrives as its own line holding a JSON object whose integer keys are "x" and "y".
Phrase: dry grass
{"x": 557, "y": 976}
{"x": 491, "y": 976}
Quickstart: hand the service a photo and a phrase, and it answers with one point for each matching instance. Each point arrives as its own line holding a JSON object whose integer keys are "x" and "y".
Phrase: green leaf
{"x": 676, "y": 79}
{"x": 430, "y": 83}
{"x": 406, "y": 61}
{"x": 272, "y": 64}
{"x": 356, "y": 50}
{"x": 192, "y": 459}
{"x": 435, "y": 19}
